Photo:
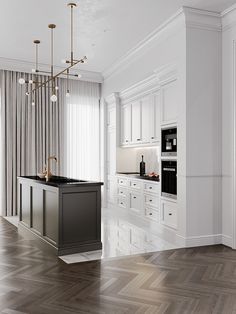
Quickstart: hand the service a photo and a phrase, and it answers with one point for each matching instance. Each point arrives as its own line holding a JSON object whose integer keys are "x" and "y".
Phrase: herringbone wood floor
{"x": 199, "y": 280}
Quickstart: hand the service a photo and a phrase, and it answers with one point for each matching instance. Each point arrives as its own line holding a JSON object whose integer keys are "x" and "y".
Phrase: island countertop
{"x": 59, "y": 181}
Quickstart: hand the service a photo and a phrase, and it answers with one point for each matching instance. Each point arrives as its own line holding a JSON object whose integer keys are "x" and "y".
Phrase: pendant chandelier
{"x": 33, "y": 85}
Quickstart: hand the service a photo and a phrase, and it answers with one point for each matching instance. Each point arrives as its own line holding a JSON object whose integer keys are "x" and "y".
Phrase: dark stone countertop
{"x": 59, "y": 181}
{"x": 136, "y": 175}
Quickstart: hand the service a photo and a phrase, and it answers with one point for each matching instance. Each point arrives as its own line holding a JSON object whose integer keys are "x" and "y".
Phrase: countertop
{"x": 58, "y": 181}
{"x": 136, "y": 175}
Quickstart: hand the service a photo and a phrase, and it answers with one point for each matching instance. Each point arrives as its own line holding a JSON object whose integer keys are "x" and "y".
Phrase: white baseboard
{"x": 227, "y": 240}
{"x": 200, "y": 240}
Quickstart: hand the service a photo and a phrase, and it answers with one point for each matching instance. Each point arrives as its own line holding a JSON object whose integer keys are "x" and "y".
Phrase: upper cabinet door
{"x": 126, "y": 124}
{"x": 157, "y": 117}
{"x": 169, "y": 103}
{"x": 147, "y": 119}
{"x": 136, "y": 122}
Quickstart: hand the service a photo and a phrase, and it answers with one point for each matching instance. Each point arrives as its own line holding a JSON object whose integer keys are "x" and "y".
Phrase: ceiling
{"x": 104, "y": 29}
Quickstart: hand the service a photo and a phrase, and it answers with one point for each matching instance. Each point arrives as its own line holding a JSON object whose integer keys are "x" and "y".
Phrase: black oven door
{"x": 169, "y": 179}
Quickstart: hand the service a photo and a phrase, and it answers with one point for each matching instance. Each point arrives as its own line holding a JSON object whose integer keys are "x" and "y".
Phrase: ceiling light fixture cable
{"x": 50, "y": 82}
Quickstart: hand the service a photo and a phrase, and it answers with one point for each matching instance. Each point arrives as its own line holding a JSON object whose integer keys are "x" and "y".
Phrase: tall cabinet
{"x": 112, "y": 121}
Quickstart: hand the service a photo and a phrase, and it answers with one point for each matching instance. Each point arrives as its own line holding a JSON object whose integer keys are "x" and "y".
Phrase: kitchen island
{"x": 63, "y": 213}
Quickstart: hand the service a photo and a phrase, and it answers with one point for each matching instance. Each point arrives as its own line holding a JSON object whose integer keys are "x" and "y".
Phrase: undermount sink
{"x": 56, "y": 179}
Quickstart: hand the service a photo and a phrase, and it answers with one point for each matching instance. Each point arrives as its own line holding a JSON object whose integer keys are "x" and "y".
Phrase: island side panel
{"x": 25, "y": 204}
{"x": 51, "y": 205}
{"x": 80, "y": 219}
{"x": 37, "y": 209}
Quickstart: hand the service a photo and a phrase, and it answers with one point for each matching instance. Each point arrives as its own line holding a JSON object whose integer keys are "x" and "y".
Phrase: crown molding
{"x": 202, "y": 19}
{"x": 25, "y": 66}
{"x": 186, "y": 16}
{"x": 157, "y": 34}
{"x": 229, "y": 18}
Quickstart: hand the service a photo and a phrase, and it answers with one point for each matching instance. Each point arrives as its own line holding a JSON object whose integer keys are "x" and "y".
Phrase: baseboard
{"x": 227, "y": 240}
{"x": 200, "y": 240}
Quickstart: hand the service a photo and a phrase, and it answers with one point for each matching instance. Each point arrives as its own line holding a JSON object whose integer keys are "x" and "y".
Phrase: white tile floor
{"x": 122, "y": 234}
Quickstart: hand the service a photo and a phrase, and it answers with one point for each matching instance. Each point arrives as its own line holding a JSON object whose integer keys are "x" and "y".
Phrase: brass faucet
{"x": 48, "y": 170}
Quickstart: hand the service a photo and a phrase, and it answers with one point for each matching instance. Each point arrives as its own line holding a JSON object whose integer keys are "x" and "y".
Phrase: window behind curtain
{"x": 82, "y": 131}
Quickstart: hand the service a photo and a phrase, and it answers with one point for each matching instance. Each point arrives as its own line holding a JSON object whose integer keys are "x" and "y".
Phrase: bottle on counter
{"x": 142, "y": 167}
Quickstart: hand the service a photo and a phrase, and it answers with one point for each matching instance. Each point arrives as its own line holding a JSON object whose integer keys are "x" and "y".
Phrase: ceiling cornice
{"x": 189, "y": 17}
{"x": 229, "y": 17}
{"x": 25, "y": 66}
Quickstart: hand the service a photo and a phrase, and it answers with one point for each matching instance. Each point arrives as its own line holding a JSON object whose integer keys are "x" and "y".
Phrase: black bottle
{"x": 142, "y": 167}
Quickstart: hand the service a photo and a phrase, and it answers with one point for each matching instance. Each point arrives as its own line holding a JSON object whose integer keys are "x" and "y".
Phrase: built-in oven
{"x": 169, "y": 142}
{"x": 169, "y": 178}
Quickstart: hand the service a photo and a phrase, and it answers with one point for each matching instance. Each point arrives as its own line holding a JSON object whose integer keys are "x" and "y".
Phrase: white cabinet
{"x": 136, "y": 122}
{"x": 147, "y": 119}
{"x": 169, "y": 214}
{"x": 126, "y": 124}
{"x": 140, "y": 197}
{"x": 169, "y": 102}
{"x": 141, "y": 121}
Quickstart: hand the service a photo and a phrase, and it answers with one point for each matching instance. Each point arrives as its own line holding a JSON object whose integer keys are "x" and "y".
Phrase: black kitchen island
{"x": 63, "y": 213}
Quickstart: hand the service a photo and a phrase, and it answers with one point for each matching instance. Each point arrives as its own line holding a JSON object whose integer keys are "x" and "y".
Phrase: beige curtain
{"x": 29, "y": 134}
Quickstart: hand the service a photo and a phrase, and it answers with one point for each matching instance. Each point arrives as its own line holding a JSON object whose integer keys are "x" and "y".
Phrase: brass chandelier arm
{"x": 57, "y": 75}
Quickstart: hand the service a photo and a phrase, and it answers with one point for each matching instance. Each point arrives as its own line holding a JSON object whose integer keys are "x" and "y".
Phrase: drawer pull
{"x": 126, "y": 141}
{"x": 121, "y": 181}
{"x": 150, "y": 214}
{"x": 134, "y": 197}
{"x": 150, "y": 200}
{"x": 170, "y": 214}
{"x": 150, "y": 187}
{"x": 134, "y": 184}
{"x": 152, "y": 137}
{"x": 121, "y": 192}
{"x": 138, "y": 139}
{"x": 121, "y": 203}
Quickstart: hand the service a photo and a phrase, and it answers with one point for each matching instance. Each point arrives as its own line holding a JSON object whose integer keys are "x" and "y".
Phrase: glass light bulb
{"x": 56, "y": 88}
{"x": 30, "y": 81}
{"x": 79, "y": 76}
{"x": 21, "y": 81}
{"x": 67, "y": 94}
{"x": 33, "y": 103}
{"x": 27, "y": 93}
{"x": 33, "y": 70}
{"x": 54, "y": 98}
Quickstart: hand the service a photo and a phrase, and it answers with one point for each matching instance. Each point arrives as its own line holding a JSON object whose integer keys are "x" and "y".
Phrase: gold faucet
{"x": 48, "y": 170}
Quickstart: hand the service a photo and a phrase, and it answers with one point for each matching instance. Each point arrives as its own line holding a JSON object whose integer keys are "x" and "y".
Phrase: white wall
{"x": 228, "y": 127}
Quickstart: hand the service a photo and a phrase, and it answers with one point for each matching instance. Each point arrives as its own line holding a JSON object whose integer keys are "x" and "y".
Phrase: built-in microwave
{"x": 169, "y": 178}
{"x": 169, "y": 142}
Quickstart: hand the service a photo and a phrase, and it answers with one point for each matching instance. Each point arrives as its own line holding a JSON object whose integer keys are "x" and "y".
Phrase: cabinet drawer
{"x": 152, "y": 214}
{"x": 152, "y": 188}
{"x": 169, "y": 214}
{"x": 151, "y": 200}
{"x": 122, "y": 191}
{"x": 122, "y": 202}
{"x": 122, "y": 181}
{"x": 135, "y": 202}
{"x": 136, "y": 184}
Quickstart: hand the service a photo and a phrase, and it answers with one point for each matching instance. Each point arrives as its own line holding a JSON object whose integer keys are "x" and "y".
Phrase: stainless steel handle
{"x": 169, "y": 169}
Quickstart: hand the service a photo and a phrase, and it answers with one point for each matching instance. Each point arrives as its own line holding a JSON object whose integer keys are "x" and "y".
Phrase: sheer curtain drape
{"x": 82, "y": 126}
{"x": 29, "y": 134}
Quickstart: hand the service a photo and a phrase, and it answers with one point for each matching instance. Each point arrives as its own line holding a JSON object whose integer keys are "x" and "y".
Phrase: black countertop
{"x": 136, "y": 175}
{"x": 59, "y": 181}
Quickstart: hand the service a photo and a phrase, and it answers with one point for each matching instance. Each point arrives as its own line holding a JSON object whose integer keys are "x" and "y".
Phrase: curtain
{"x": 82, "y": 131}
{"x": 29, "y": 134}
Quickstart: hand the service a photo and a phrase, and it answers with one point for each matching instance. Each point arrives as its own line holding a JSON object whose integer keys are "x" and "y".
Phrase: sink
{"x": 56, "y": 179}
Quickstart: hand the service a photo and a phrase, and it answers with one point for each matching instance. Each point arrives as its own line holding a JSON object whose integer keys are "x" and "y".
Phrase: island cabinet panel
{"x": 67, "y": 218}
{"x": 80, "y": 207}
{"x": 51, "y": 215}
{"x": 37, "y": 210}
{"x": 26, "y": 204}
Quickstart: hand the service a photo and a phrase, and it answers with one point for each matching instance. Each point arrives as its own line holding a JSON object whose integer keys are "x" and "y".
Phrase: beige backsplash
{"x": 150, "y": 157}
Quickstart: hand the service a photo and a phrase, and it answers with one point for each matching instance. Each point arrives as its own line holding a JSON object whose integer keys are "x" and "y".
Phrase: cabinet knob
{"x": 134, "y": 184}
{"x": 121, "y": 192}
{"x": 152, "y": 137}
{"x": 150, "y": 187}
{"x": 121, "y": 203}
{"x": 126, "y": 141}
{"x": 170, "y": 214}
{"x": 134, "y": 197}
{"x": 150, "y": 214}
{"x": 150, "y": 200}
{"x": 138, "y": 139}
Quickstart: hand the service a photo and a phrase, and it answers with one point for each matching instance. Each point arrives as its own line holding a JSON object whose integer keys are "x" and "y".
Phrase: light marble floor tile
{"x": 123, "y": 234}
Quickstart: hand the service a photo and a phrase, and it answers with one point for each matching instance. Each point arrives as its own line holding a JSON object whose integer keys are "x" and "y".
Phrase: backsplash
{"x": 150, "y": 157}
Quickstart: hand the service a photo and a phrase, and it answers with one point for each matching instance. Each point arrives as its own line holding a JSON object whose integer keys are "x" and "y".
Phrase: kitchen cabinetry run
{"x": 139, "y": 196}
